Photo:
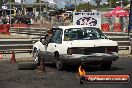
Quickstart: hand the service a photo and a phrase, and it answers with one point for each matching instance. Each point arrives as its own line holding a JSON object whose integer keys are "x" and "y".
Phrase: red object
{"x": 117, "y": 27}
{"x": 118, "y": 12}
{"x": 4, "y": 28}
{"x": 13, "y": 57}
{"x": 105, "y": 27}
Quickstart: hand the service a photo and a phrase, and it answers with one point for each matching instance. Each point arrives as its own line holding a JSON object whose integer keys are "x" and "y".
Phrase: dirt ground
{"x": 11, "y": 77}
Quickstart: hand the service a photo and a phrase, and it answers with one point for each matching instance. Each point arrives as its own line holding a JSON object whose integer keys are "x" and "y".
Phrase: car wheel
{"x": 106, "y": 65}
{"x": 59, "y": 65}
{"x": 36, "y": 57}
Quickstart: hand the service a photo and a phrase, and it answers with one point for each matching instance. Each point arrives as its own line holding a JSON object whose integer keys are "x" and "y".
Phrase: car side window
{"x": 57, "y": 37}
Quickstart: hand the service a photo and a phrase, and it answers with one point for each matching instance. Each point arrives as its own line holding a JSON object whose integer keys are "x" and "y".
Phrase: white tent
{"x": 127, "y": 7}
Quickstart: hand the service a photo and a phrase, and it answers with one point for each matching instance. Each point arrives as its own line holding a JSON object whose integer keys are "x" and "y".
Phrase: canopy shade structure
{"x": 127, "y": 7}
{"x": 118, "y": 12}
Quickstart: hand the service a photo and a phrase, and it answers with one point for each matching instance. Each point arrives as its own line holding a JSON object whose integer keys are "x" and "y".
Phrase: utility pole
{"x": 21, "y": 7}
{"x": 75, "y": 5}
{"x": 88, "y": 6}
{"x": 10, "y": 15}
{"x": 121, "y": 4}
{"x": 40, "y": 18}
{"x": 110, "y": 4}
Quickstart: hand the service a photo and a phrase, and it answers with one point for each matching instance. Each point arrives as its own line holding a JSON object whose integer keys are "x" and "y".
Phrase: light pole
{"x": 110, "y": 4}
{"x": 88, "y": 6}
{"x": 121, "y": 3}
{"x": 40, "y": 18}
{"x": 10, "y": 14}
{"x": 75, "y": 5}
{"x": 21, "y": 7}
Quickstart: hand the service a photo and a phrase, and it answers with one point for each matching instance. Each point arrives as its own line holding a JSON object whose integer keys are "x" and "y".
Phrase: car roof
{"x": 74, "y": 26}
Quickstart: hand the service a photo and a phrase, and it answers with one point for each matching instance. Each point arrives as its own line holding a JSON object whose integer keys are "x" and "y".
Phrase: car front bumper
{"x": 96, "y": 57}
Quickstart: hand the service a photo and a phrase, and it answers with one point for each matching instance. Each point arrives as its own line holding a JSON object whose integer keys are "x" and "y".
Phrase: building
{"x": 24, "y": 8}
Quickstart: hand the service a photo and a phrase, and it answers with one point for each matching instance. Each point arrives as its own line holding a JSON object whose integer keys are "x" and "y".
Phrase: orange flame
{"x": 81, "y": 71}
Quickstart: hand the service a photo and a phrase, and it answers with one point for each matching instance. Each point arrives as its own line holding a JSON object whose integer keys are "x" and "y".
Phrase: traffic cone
{"x": 0, "y": 57}
{"x": 41, "y": 68}
{"x": 13, "y": 57}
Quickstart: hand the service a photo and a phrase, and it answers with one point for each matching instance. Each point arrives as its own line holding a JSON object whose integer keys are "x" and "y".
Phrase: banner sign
{"x": 92, "y": 19}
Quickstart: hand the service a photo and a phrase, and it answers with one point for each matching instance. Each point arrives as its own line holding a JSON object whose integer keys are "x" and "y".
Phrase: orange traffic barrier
{"x": 13, "y": 57}
{"x": 41, "y": 68}
{"x": 4, "y": 28}
{"x": 105, "y": 27}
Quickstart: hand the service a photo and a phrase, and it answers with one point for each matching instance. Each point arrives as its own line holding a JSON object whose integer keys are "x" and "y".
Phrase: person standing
{"x": 45, "y": 41}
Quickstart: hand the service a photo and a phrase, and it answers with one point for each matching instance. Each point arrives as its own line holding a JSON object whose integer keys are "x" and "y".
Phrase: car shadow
{"x": 91, "y": 68}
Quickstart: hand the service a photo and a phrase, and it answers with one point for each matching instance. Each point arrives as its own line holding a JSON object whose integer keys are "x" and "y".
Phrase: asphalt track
{"x": 11, "y": 77}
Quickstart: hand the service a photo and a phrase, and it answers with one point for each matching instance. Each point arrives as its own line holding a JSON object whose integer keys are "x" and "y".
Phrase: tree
{"x": 38, "y": 1}
{"x": 1, "y": 2}
{"x": 85, "y": 6}
{"x": 98, "y": 2}
{"x": 114, "y": 3}
{"x": 12, "y": 0}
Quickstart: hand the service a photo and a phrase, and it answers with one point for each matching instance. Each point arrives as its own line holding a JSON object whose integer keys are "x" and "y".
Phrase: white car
{"x": 76, "y": 44}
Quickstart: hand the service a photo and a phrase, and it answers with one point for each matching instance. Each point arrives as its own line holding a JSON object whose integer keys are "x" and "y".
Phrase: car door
{"x": 55, "y": 41}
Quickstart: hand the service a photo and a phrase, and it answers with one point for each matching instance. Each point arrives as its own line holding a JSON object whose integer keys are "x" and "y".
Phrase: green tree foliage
{"x": 0, "y": 2}
{"x": 37, "y": 1}
{"x": 85, "y": 6}
{"x": 114, "y": 3}
{"x": 98, "y": 2}
{"x": 12, "y": 0}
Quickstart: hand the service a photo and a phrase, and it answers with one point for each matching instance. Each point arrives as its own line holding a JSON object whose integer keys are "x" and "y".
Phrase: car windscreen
{"x": 85, "y": 33}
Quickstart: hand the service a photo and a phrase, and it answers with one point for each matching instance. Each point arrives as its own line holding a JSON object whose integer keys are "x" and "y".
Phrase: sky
{"x": 61, "y": 2}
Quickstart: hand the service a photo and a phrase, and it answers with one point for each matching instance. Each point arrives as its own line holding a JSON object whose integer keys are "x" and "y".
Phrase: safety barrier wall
{"x": 17, "y": 45}
{"x": 122, "y": 38}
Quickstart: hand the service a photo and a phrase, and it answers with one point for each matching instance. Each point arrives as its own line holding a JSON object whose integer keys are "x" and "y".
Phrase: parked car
{"x": 76, "y": 44}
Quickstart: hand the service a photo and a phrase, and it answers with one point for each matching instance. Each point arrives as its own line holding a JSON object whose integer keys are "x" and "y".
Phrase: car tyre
{"x": 26, "y": 66}
{"x": 59, "y": 65}
{"x": 36, "y": 57}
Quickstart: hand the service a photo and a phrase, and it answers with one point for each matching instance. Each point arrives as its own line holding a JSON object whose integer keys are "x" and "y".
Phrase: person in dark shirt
{"x": 45, "y": 41}
{"x": 48, "y": 37}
